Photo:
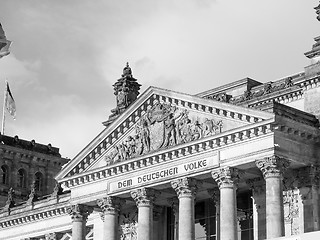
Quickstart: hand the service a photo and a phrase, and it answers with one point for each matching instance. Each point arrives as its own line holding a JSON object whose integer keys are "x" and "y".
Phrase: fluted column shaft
{"x": 227, "y": 179}
{"x": 110, "y": 207}
{"x": 272, "y": 169}
{"x": 186, "y": 189}
{"x": 144, "y": 199}
{"x": 79, "y": 214}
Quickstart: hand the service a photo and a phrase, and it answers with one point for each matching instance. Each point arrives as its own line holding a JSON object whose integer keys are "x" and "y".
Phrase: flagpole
{"x": 4, "y": 108}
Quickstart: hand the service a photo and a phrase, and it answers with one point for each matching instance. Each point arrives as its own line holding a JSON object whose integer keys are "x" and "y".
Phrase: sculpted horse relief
{"x": 163, "y": 126}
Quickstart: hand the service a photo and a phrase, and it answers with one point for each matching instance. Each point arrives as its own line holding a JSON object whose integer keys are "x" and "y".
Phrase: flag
{"x": 9, "y": 102}
{"x": 4, "y": 43}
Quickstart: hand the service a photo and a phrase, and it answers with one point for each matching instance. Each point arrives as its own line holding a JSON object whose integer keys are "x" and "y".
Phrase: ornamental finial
{"x": 317, "y": 8}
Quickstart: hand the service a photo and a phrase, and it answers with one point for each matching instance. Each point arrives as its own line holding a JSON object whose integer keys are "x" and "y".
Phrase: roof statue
{"x": 126, "y": 90}
{"x": 317, "y": 8}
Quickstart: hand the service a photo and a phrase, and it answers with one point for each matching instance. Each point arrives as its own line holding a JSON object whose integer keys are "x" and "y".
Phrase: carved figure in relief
{"x": 170, "y": 130}
{"x": 144, "y": 134}
{"x": 184, "y": 128}
{"x": 162, "y": 126}
{"x": 209, "y": 127}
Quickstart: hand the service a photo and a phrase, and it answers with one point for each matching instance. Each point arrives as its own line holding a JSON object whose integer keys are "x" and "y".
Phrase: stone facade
{"x": 240, "y": 161}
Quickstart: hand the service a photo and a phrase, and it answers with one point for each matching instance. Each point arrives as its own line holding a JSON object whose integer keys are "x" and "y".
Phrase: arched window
{"x": 21, "y": 181}
{"x": 38, "y": 181}
{"x": 4, "y": 174}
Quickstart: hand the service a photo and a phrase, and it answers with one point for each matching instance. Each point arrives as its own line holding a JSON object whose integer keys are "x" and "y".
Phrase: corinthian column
{"x": 227, "y": 179}
{"x": 110, "y": 212}
{"x": 272, "y": 169}
{"x": 79, "y": 214}
{"x": 186, "y": 189}
{"x": 144, "y": 199}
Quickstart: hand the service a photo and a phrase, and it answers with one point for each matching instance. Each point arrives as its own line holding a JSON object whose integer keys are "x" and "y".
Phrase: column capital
{"x": 226, "y": 177}
{"x": 185, "y": 187}
{"x": 273, "y": 166}
{"x": 110, "y": 205}
{"x": 79, "y": 212}
{"x": 144, "y": 196}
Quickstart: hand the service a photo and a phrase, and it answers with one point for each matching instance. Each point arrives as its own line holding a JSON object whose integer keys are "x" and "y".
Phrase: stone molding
{"x": 227, "y": 177}
{"x": 110, "y": 205}
{"x": 58, "y": 211}
{"x": 185, "y": 187}
{"x": 202, "y": 145}
{"x": 79, "y": 212}
{"x": 139, "y": 108}
{"x": 144, "y": 197}
{"x": 273, "y": 166}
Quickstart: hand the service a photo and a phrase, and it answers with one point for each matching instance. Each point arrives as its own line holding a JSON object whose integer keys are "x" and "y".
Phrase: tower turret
{"x": 126, "y": 90}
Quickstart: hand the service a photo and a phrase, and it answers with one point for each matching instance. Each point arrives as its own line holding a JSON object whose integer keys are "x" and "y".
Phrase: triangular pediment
{"x": 158, "y": 120}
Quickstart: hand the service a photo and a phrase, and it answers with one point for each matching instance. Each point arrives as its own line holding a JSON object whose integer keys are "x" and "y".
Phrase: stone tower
{"x": 126, "y": 90}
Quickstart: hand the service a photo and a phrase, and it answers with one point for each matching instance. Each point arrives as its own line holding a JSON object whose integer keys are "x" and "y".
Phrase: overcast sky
{"x": 66, "y": 55}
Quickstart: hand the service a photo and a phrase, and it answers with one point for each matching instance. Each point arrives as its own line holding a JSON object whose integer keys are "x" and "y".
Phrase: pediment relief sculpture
{"x": 162, "y": 126}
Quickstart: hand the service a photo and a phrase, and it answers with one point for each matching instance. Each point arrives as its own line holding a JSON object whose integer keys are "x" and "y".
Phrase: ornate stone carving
{"x": 162, "y": 126}
{"x": 110, "y": 205}
{"x": 291, "y": 210}
{"x": 221, "y": 97}
{"x": 10, "y": 200}
{"x": 266, "y": 88}
{"x": 226, "y": 177}
{"x": 185, "y": 187}
{"x": 317, "y": 8}
{"x": 79, "y": 212}
{"x": 126, "y": 90}
{"x": 128, "y": 224}
{"x": 32, "y": 195}
{"x": 57, "y": 190}
{"x": 272, "y": 166}
{"x": 53, "y": 236}
{"x": 144, "y": 196}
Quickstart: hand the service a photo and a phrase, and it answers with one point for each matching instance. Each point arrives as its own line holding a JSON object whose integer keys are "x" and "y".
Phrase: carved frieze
{"x": 267, "y": 89}
{"x": 185, "y": 187}
{"x": 272, "y": 166}
{"x": 144, "y": 196}
{"x": 226, "y": 177}
{"x": 162, "y": 126}
{"x": 79, "y": 212}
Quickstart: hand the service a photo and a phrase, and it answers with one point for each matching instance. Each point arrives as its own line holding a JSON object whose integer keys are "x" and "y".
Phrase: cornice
{"x": 34, "y": 215}
{"x": 204, "y": 145}
{"x": 11, "y": 152}
{"x": 100, "y": 145}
